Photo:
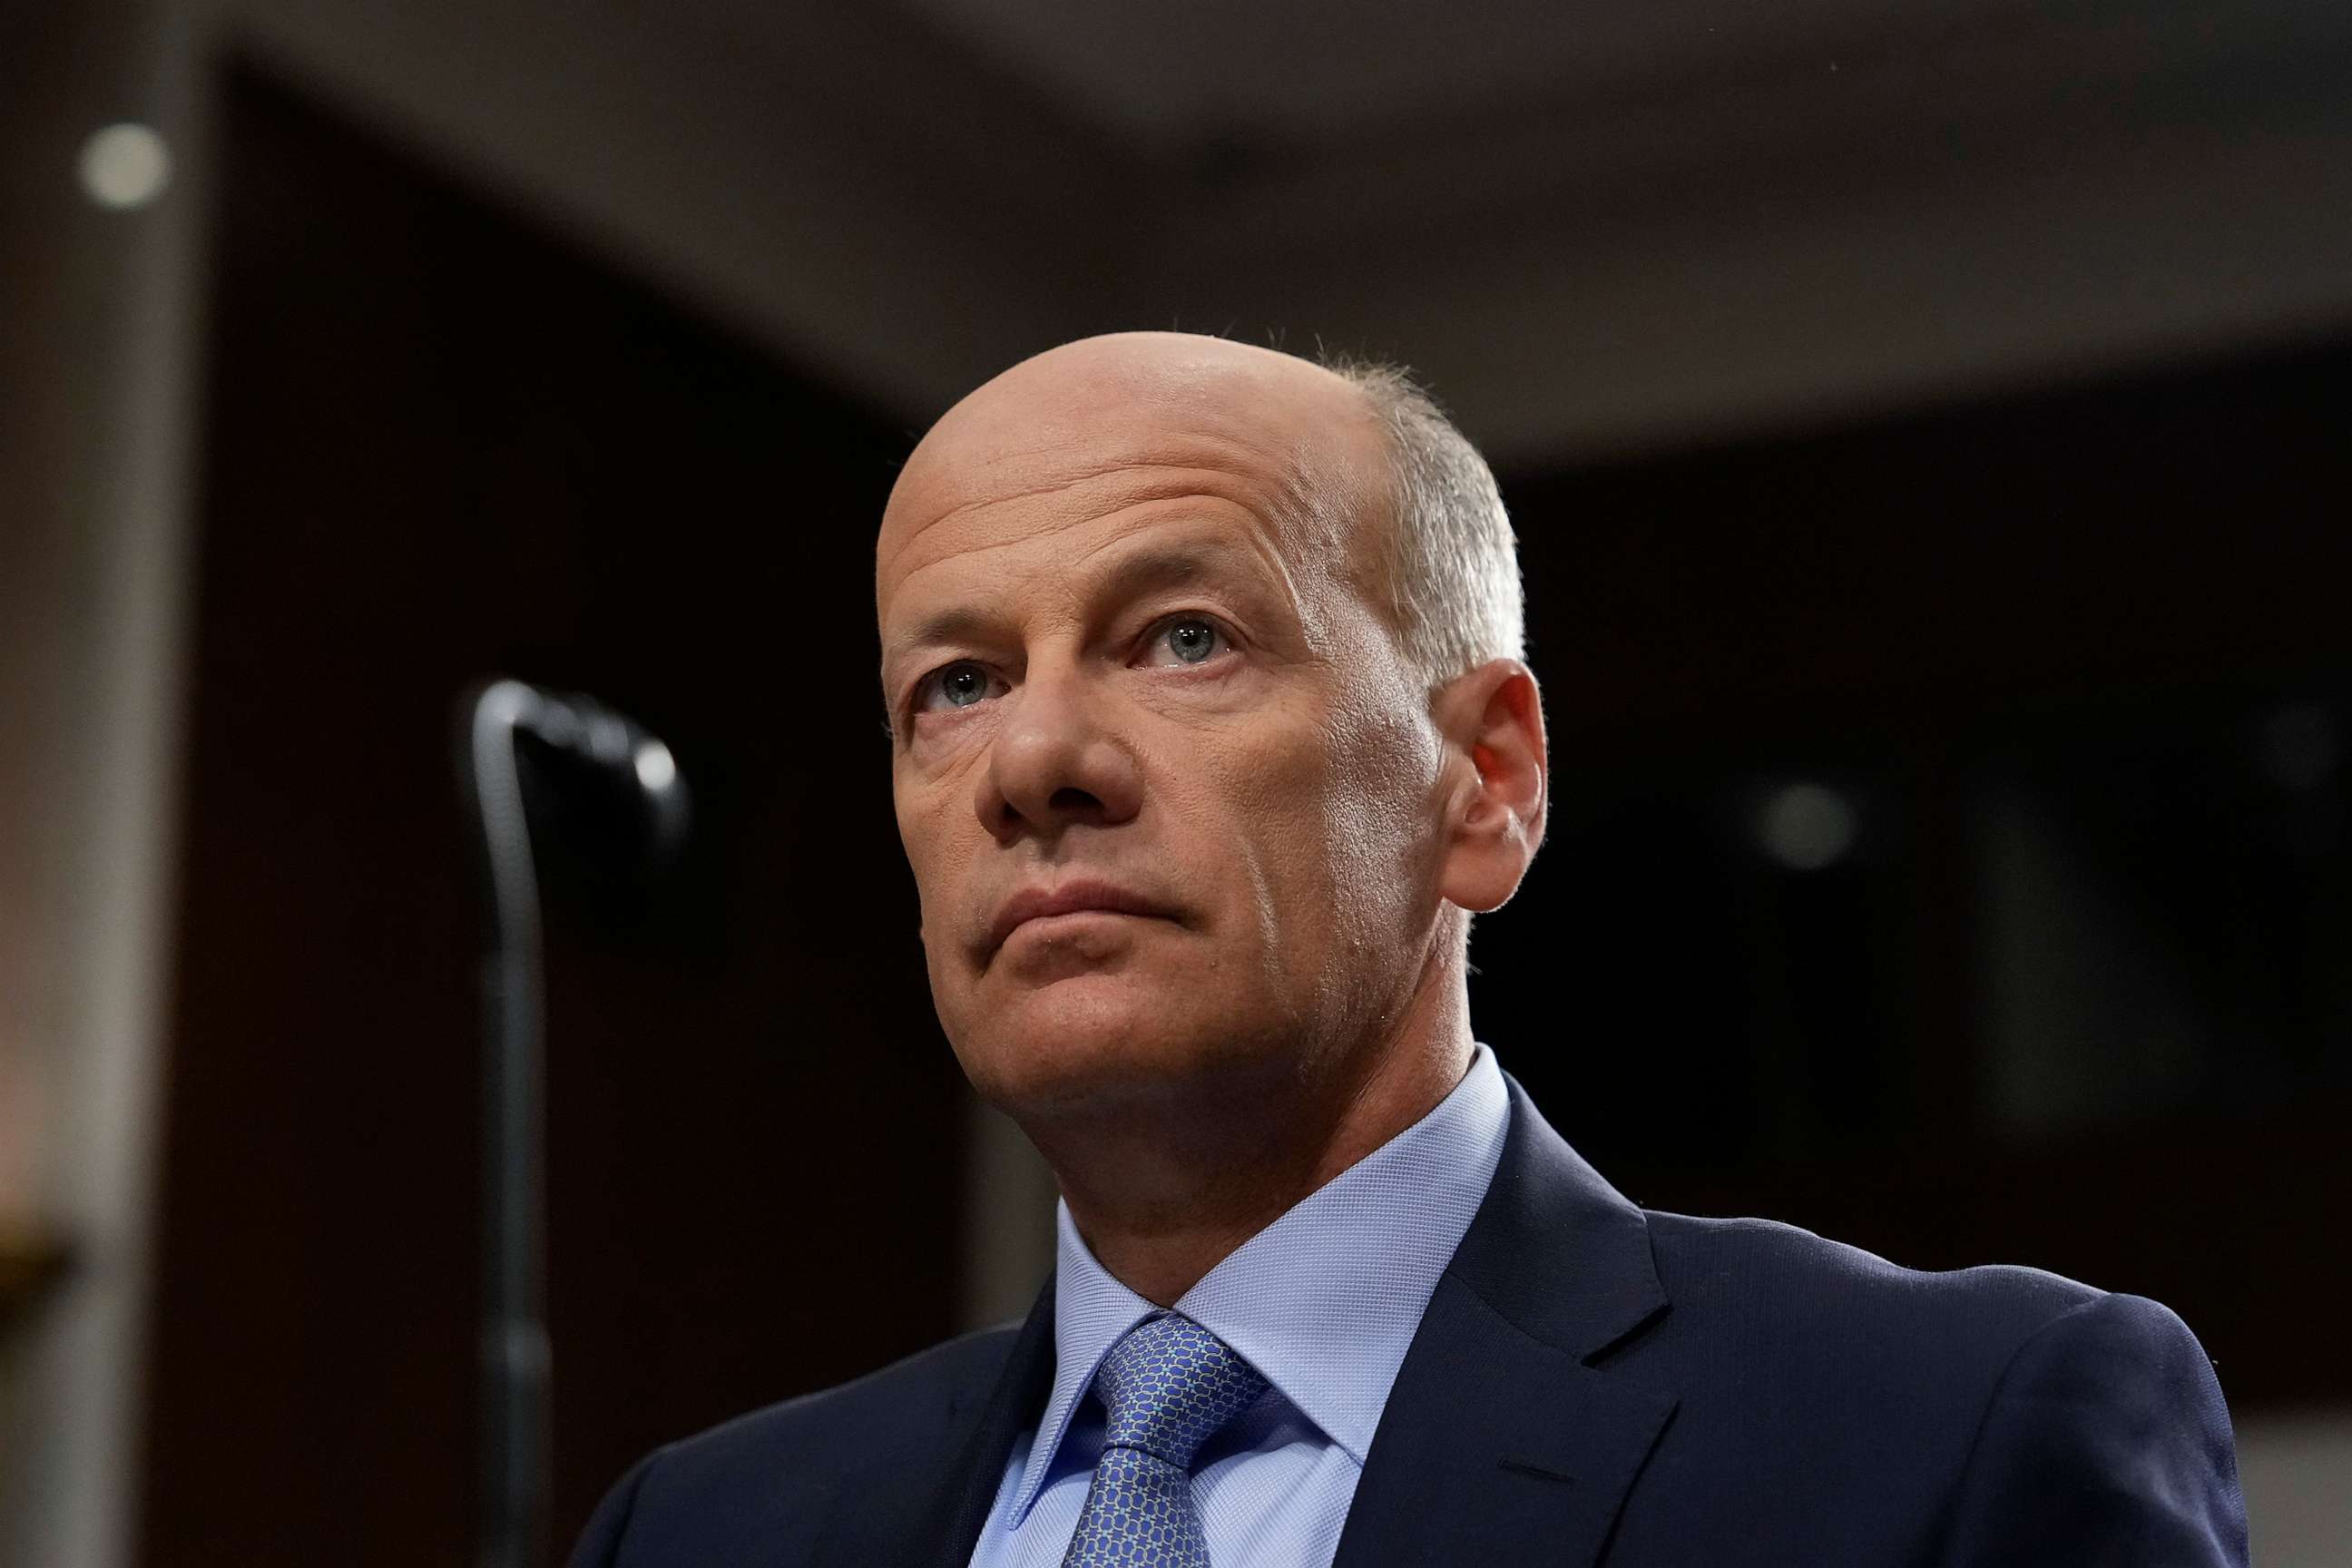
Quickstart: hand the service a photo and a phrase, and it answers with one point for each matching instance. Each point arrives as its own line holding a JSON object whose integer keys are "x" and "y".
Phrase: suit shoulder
{"x": 1804, "y": 1363}
{"x": 904, "y": 1408}
{"x": 2107, "y": 1438}
{"x": 910, "y": 1396}
{"x": 1795, "y": 1287}
{"x": 2116, "y": 1348}
{"x": 719, "y": 1496}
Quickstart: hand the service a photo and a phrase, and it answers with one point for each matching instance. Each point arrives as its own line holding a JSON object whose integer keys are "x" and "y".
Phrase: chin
{"x": 1093, "y": 1040}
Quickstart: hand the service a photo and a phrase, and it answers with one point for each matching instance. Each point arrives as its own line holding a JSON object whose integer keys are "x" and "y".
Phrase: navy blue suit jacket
{"x": 1593, "y": 1384}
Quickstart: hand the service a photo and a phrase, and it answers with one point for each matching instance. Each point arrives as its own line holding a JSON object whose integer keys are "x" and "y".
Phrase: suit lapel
{"x": 869, "y": 1525}
{"x": 1501, "y": 1440}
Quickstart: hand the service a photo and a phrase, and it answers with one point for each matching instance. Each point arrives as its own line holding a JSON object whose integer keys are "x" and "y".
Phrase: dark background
{"x": 443, "y": 446}
{"x": 2073, "y": 997}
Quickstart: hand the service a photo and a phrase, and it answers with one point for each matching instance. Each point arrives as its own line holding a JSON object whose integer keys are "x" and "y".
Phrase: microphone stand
{"x": 513, "y": 1504}
{"x": 602, "y": 752}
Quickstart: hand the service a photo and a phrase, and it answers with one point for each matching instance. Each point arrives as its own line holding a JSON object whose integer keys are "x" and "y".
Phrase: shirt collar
{"x": 1325, "y": 1300}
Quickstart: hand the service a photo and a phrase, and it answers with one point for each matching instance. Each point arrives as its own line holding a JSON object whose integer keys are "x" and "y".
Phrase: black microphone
{"x": 617, "y": 789}
{"x": 599, "y": 779}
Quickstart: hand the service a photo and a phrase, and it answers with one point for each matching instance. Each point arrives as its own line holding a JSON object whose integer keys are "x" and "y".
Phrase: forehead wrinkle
{"x": 1298, "y": 471}
{"x": 1071, "y": 442}
{"x": 1200, "y": 550}
{"x": 1068, "y": 501}
{"x": 1046, "y": 487}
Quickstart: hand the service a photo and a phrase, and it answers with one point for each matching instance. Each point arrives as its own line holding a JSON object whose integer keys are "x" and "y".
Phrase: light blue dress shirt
{"x": 1324, "y": 1301}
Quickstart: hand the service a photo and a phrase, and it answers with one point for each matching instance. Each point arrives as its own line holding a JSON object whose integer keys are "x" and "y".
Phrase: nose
{"x": 1055, "y": 762}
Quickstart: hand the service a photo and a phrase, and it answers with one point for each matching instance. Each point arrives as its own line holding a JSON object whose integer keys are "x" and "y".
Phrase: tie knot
{"x": 1169, "y": 1386}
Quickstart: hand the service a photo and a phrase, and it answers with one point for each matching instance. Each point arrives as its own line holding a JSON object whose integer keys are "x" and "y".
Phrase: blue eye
{"x": 1191, "y": 639}
{"x": 957, "y": 686}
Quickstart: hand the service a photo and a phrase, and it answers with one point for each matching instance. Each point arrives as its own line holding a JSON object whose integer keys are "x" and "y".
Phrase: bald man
{"x": 1210, "y": 730}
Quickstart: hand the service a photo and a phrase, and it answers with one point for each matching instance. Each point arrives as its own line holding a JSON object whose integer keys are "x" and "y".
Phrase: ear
{"x": 1496, "y": 790}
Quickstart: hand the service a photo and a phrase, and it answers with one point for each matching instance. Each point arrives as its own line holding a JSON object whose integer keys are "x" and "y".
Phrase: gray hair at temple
{"x": 1453, "y": 562}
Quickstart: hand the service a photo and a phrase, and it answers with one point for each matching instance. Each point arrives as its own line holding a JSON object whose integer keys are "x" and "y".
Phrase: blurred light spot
{"x": 556, "y": 724}
{"x": 608, "y": 738}
{"x": 2299, "y": 746}
{"x": 656, "y": 769}
{"x": 1806, "y": 826}
{"x": 125, "y": 166}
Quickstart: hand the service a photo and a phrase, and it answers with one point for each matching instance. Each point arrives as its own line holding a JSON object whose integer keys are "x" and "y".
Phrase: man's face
{"x": 1170, "y": 792}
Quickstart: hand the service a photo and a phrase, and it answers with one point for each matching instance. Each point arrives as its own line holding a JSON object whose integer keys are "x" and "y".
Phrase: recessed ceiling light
{"x": 125, "y": 166}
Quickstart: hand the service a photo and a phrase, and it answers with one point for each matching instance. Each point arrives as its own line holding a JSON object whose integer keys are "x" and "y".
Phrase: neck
{"x": 1164, "y": 1193}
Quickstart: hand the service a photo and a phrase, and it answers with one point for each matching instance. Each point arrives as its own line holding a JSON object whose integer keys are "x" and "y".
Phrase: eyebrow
{"x": 962, "y": 623}
{"x": 1144, "y": 570}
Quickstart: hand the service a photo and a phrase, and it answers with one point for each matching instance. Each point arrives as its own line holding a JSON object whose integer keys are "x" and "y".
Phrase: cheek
{"x": 930, "y": 851}
{"x": 1380, "y": 823}
{"x": 1330, "y": 825}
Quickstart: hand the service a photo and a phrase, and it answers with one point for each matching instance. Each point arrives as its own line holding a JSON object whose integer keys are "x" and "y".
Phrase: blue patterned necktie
{"x": 1168, "y": 1386}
